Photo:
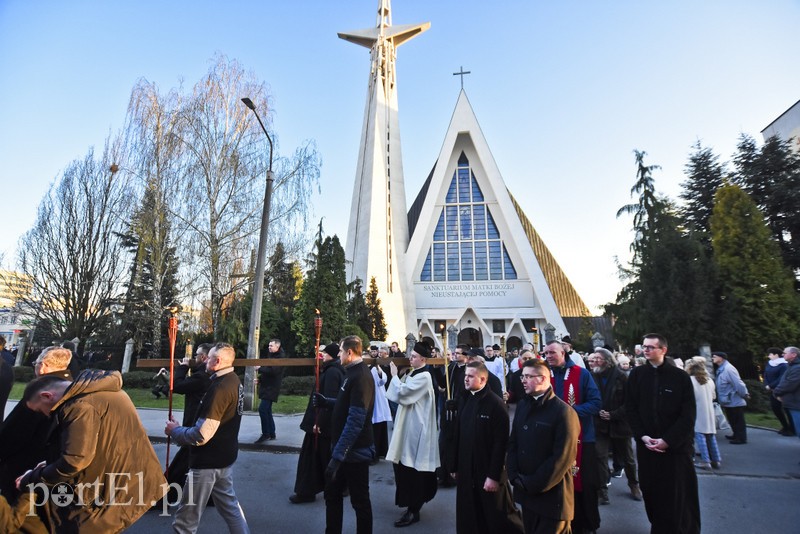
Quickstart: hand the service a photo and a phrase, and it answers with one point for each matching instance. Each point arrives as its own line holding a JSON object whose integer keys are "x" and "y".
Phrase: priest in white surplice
{"x": 414, "y": 448}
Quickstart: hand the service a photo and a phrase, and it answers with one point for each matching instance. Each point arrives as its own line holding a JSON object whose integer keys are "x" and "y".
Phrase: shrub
{"x": 23, "y": 373}
{"x": 759, "y": 397}
{"x": 297, "y": 385}
{"x": 138, "y": 380}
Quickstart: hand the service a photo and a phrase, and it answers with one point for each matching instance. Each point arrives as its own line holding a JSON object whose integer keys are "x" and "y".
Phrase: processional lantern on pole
{"x": 172, "y": 333}
{"x": 444, "y": 352}
{"x": 317, "y": 333}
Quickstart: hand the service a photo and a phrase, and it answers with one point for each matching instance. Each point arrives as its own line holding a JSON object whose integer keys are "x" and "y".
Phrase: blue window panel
{"x": 465, "y": 222}
{"x": 438, "y": 262}
{"x": 453, "y": 273}
{"x": 462, "y": 160}
{"x": 479, "y": 221}
{"x": 493, "y": 233}
{"x": 438, "y": 234}
{"x": 477, "y": 195}
{"x": 509, "y": 271}
{"x": 481, "y": 264}
{"x": 425, "y": 276}
{"x": 495, "y": 261}
{"x": 451, "y": 193}
{"x": 451, "y": 222}
{"x": 463, "y": 185}
{"x": 467, "y": 268}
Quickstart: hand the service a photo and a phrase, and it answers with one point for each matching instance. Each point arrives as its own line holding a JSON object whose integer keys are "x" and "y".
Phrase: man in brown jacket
{"x": 108, "y": 474}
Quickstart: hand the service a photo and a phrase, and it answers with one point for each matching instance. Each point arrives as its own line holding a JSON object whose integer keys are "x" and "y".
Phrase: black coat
{"x": 27, "y": 437}
{"x": 660, "y": 403}
{"x": 270, "y": 378}
{"x": 193, "y": 386}
{"x": 478, "y": 453}
{"x": 515, "y": 390}
{"x": 613, "y": 395}
{"x": 331, "y": 376}
{"x": 541, "y": 452}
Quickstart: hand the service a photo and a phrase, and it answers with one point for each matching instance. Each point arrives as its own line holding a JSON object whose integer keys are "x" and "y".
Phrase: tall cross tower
{"x": 377, "y": 237}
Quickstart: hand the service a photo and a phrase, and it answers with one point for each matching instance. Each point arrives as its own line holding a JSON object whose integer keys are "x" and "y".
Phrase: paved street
{"x": 753, "y": 492}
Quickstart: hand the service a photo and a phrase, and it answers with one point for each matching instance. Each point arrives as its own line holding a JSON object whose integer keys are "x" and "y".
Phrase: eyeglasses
{"x": 37, "y": 364}
{"x": 529, "y": 377}
{"x": 649, "y": 347}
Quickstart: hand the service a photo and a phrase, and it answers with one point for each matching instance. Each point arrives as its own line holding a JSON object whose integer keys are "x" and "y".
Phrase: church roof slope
{"x": 567, "y": 299}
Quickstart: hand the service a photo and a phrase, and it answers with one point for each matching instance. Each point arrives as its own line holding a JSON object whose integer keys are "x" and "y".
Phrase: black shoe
{"x": 299, "y": 499}
{"x": 261, "y": 439}
{"x": 617, "y": 473}
{"x": 271, "y": 438}
{"x": 737, "y": 442}
{"x": 730, "y": 437}
{"x": 406, "y": 519}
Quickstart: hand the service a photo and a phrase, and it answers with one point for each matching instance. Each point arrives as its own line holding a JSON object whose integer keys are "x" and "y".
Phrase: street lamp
{"x": 258, "y": 283}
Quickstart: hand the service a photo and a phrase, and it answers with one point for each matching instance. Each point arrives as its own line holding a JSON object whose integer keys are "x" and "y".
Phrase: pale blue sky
{"x": 564, "y": 91}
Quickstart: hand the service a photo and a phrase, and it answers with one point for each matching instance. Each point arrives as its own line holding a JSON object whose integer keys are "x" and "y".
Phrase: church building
{"x": 464, "y": 259}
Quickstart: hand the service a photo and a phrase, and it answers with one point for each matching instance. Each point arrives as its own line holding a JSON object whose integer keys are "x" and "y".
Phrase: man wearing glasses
{"x": 575, "y": 386}
{"x": 660, "y": 406}
{"x": 541, "y": 453}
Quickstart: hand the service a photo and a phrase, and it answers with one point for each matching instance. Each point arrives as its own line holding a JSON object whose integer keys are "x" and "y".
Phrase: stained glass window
{"x": 466, "y": 240}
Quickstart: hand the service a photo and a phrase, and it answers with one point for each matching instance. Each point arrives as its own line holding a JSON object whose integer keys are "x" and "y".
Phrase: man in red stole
{"x": 575, "y": 386}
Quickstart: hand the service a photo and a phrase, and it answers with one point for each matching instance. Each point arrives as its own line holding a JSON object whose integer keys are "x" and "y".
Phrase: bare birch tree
{"x": 155, "y": 157}
{"x": 225, "y": 163}
{"x": 73, "y": 253}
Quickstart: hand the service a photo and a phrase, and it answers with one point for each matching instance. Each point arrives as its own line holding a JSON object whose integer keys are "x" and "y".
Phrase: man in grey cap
{"x": 732, "y": 395}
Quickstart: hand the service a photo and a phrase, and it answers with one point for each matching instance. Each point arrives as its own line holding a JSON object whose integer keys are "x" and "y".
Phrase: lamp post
{"x": 258, "y": 283}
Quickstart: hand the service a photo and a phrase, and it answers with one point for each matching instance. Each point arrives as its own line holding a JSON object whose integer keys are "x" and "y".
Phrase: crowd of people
{"x": 74, "y": 446}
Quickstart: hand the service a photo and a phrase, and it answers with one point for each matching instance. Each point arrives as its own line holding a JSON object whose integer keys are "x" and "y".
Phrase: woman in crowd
{"x": 705, "y": 429}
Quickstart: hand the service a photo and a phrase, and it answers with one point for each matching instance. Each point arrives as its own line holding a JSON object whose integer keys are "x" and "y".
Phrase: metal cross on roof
{"x": 461, "y": 73}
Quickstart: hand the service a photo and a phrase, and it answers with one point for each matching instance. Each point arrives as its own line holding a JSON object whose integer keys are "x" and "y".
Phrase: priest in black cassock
{"x": 483, "y": 496}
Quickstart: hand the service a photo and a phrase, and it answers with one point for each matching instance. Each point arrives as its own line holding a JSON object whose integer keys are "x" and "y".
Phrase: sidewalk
{"x": 288, "y": 436}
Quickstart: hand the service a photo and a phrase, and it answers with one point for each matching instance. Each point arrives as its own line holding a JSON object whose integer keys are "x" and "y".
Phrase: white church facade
{"x": 464, "y": 258}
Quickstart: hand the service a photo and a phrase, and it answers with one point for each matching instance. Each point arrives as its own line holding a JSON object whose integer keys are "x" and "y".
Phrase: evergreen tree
{"x": 325, "y": 289}
{"x": 375, "y": 313}
{"x": 704, "y": 175}
{"x": 357, "y": 314}
{"x": 234, "y": 325}
{"x": 153, "y": 281}
{"x": 758, "y": 304}
{"x": 771, "y": 175}
{"x": 642, "y": 211}
{"x": 282, "y": 287}
{"x": 671, "y": 289}
{"x": 669, "y": 285}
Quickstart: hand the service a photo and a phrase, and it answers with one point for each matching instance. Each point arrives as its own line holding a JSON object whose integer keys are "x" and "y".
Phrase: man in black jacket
{"x": 351, "y": 436}
{"x": 28, "y": 437}
{"x": 483, "y": 496}
{"x": 315, "y": 452}
{"x": 269, "y": 387}
{"x": 214, "y": 439}
{"x": 541, "y": 454}
{"x": 611, "y": 426}
{"x": 660, "y": 405}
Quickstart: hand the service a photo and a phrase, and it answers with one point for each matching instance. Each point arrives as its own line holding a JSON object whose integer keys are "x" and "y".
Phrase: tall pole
{"x": 172, "y": 333}
{"x": 258, "y": 284}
